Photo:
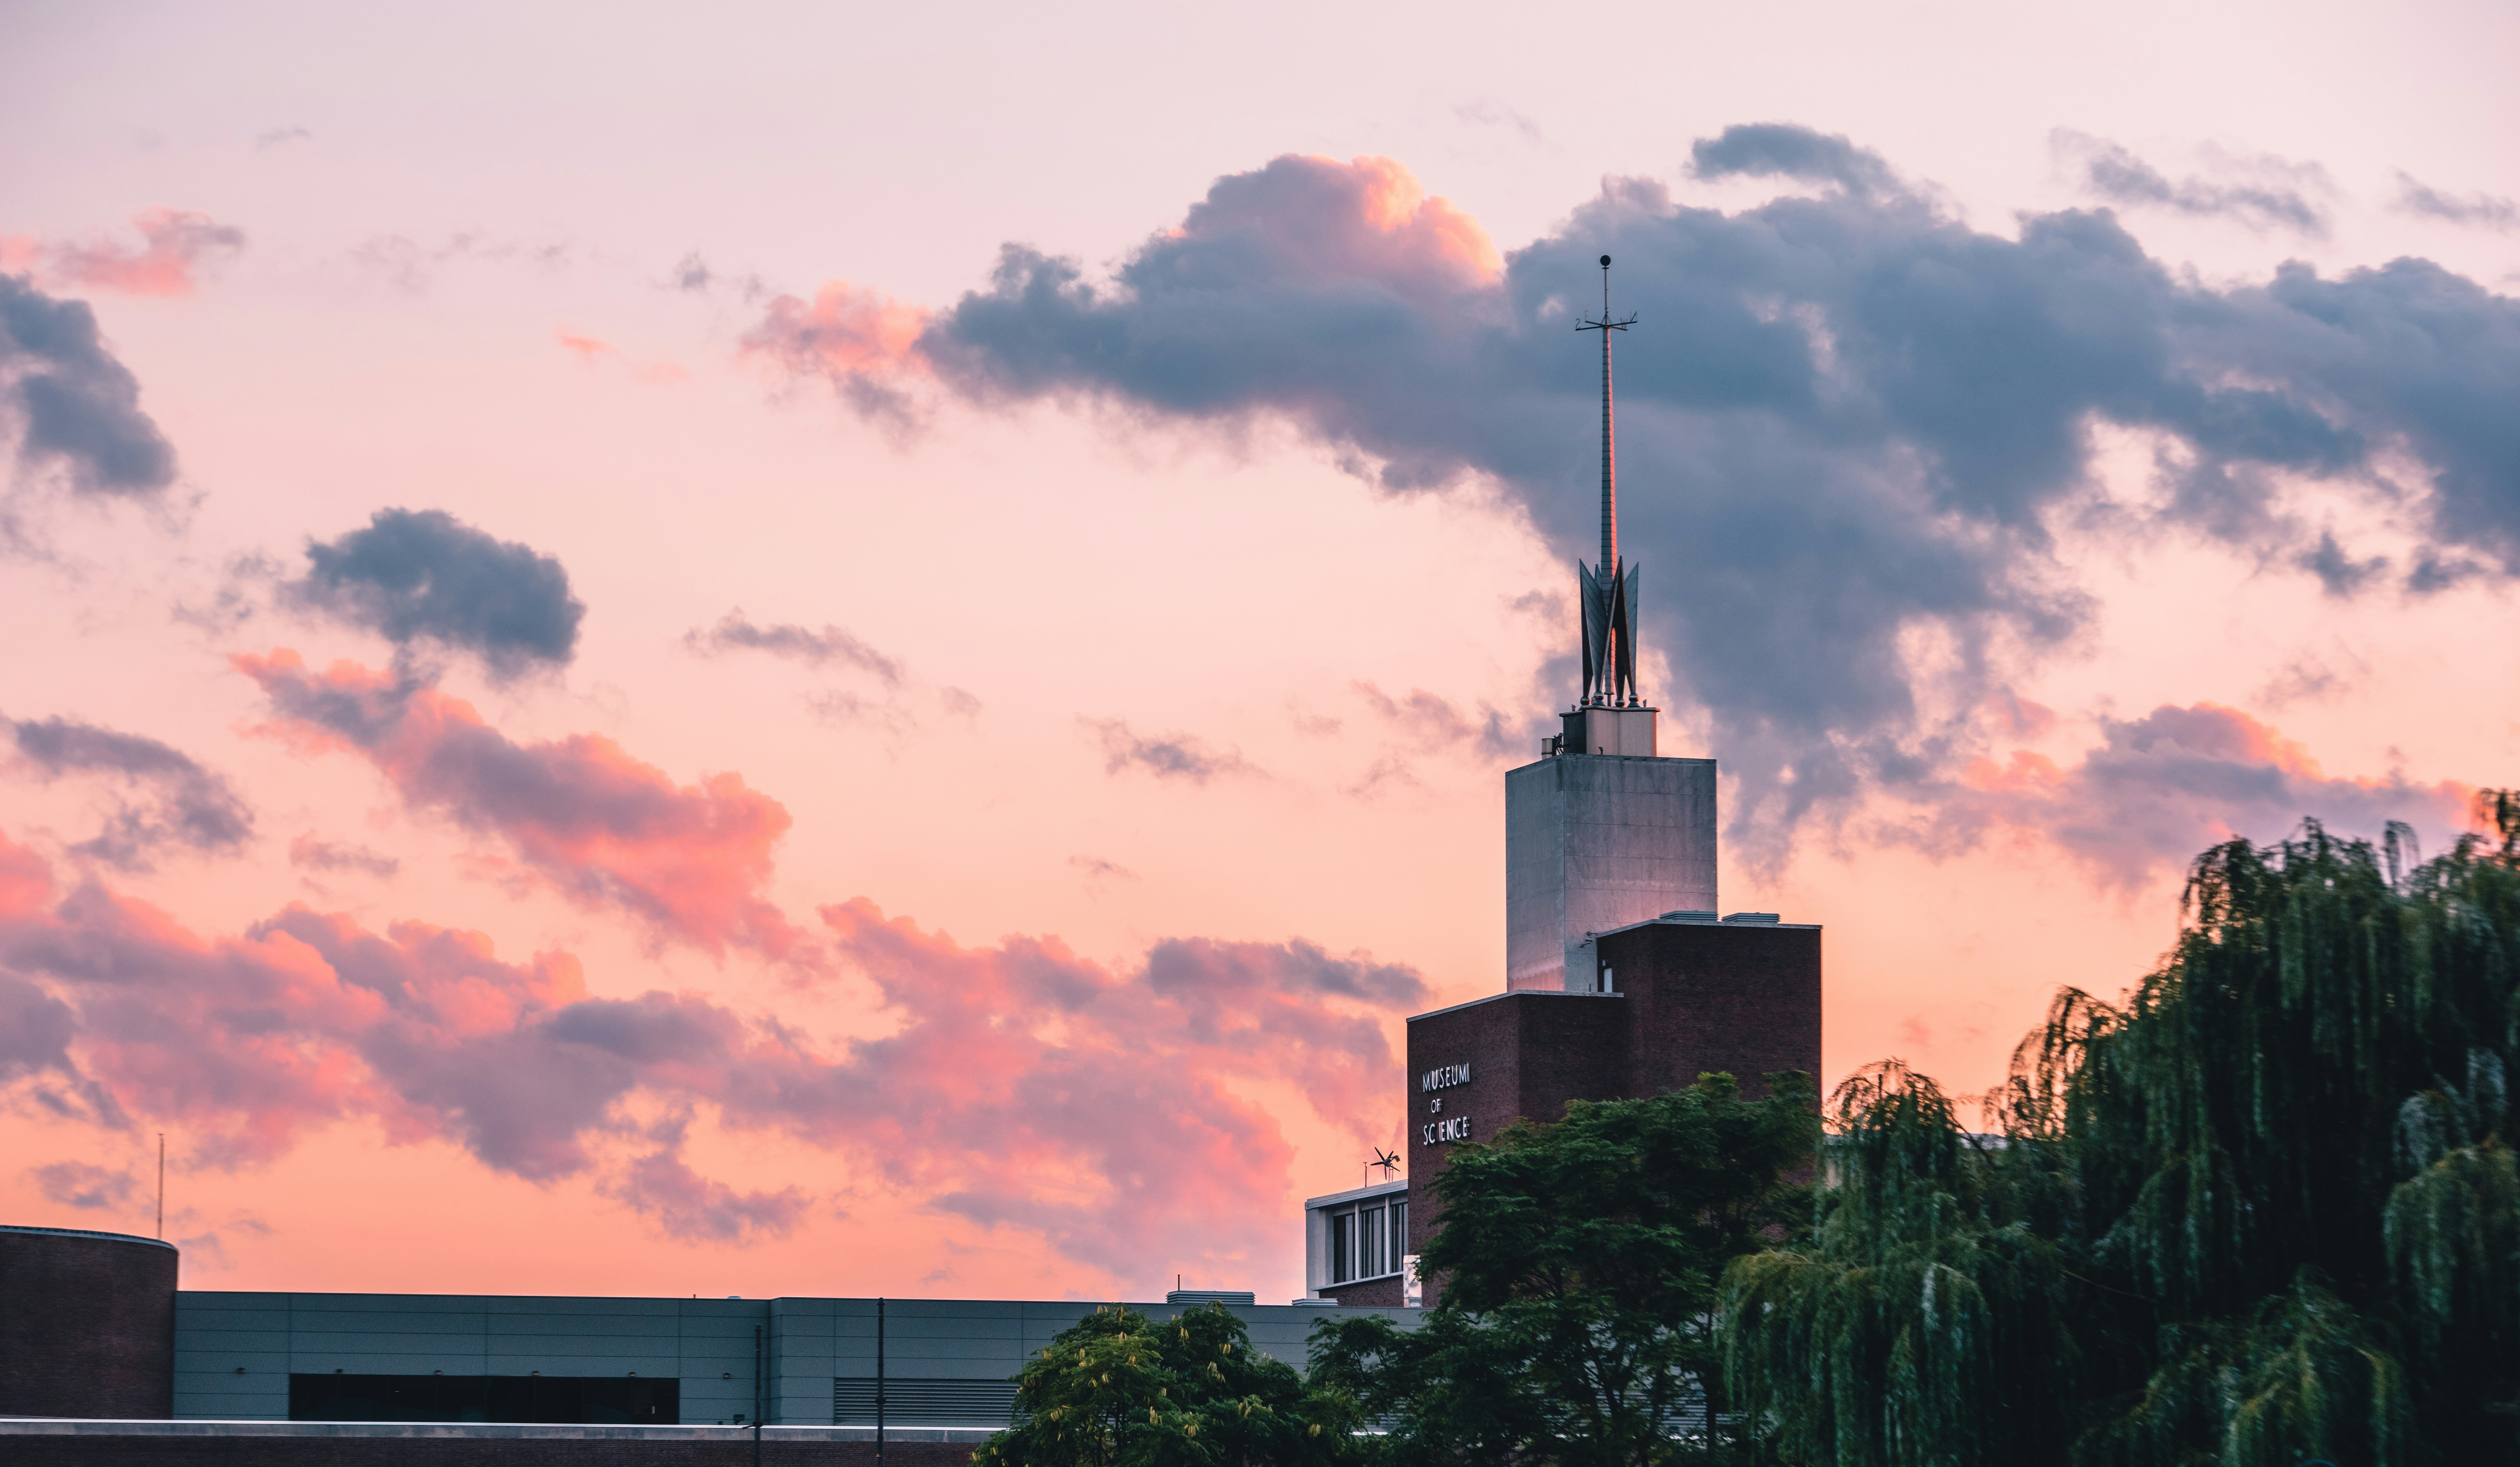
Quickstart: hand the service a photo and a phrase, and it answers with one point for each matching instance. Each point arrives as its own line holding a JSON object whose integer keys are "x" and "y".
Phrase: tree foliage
{"x": 1578, "y": 1262}
{"x": 2264, "y": 1210}
{"x": 1923, "y": 1321}
{"x": 1119, "y": 1388}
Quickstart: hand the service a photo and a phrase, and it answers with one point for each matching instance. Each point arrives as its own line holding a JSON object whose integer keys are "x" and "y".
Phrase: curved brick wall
{"x": 87, "y": 1324}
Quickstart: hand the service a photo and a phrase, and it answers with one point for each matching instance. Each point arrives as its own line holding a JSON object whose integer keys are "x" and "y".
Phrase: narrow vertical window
{"x": 1342, "y": 1247}
{"x": 1399, "y": 1232}
{"x": 1369, "y": 1241}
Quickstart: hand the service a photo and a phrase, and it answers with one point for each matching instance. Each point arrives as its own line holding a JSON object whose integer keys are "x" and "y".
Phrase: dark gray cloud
{"x": 1845, "y": 420}
{"x": 426, "y": 578}
{"x": 1166, "y": 756}
{"x": 81, "y": 1185}
{"x": 179, "y": 805}
{"x": 2339, "y": 573}
{"x": 2276, "y": 195}
{"x": 699, "y": 1209}
{"x": 36, "y": 1031}
{"x": 1782, "y": 149}
{"x": 2479, "y": 211}
{"x": 830, "y": 646}
{"x": 71, "y": 405}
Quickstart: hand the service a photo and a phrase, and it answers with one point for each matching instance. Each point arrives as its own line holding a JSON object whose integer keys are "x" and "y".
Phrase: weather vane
{"x": 1389, "y": 1160}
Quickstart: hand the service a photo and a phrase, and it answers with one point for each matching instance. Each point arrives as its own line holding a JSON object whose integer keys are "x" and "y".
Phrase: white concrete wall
{"x": 1594, "y": 842}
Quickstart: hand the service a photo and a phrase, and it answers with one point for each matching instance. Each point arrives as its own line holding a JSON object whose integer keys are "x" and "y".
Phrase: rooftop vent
{"x": 1314, "y": 1304}
{"x": 1688, "y": 917}
{"x": 1762, "y": 918}
{"x": 1203, "y": 1296}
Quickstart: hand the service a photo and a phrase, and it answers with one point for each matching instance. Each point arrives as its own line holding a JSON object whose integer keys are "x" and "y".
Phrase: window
{"x": 1370, "y": 1240}
{"x": 1342, "y": 1247}
{"x": 1399, "y": 1233}
{"x": 566, "y": 1399}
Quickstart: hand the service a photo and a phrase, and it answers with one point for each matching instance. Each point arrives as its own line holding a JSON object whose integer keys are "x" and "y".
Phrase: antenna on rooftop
{"x": 1609, "y": 589}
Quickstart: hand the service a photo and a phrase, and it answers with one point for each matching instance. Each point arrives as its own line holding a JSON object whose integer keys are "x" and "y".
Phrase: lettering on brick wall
{"x": 1444, "y": 1077}
{"x": 1450, "y": 1129}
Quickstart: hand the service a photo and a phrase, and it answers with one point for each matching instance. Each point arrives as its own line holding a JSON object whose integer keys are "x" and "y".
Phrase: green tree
{"x": 1923, "y": 1323}
{"x": 1578, "y": 1262}
{"x": 1119, "y": 1388}
{"x": 2264, "y": 1211}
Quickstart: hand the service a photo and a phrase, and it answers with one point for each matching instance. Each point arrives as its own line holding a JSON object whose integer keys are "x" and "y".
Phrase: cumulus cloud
{"x": 604, "y": 828}
{"x": 1020, "y": 1086}
{"x": 423, "y": 578}
{"x": 2161, "y": 788}
{"x": 2263, "y": 193}
{"x": 1166, "y": 756}
{"x": 70, "y": 404}
{"x": 2477, "y": 210}
{"x": 176, "y": 247}
{"x": 832, "y": 646}
{"x": 1849, "y": 422}
{"x": 179, "y": 804}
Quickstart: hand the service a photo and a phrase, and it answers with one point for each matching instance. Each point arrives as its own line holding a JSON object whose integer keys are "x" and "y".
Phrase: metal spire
{"x": 1609, "y": 655}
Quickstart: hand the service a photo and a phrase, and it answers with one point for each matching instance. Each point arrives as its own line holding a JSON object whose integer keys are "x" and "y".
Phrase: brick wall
{"x": 87, "y": 1324}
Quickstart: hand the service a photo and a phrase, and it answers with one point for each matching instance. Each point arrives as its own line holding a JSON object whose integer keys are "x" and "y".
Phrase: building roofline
{"x": 1354, "y": 1194}
{"x": 1511, "y": 992}
{"x": 83, "y": 1232}
{"x": 1733, "y": 926}
{"x": 1639, "y": 758}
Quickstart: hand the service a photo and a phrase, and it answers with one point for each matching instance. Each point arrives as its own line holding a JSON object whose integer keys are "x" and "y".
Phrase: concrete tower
{"x": 1602, "y": 831}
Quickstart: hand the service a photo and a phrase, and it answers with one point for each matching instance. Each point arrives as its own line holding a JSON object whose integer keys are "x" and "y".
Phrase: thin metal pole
{"x": 161, "y": 1186}
{"x": 878, "y": 1383}
{"x": 756, "y": 1395}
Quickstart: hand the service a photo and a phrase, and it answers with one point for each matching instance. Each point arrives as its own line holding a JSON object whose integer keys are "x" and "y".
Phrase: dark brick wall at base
{"x": 87, "y": 1324}
{"x": 448, "y": 1452}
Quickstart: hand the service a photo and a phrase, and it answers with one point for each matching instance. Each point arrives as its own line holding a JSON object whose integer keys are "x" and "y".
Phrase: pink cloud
{"x": 604, "y": 828}
{"x": 175, "y": 246}
{"x": 1029, "y": 1087}
{"x": 845, "y": 329}
{"x": 1024, "y": 1087}
{"x": 1368, "y": 217}
{"x": 2161, "y": 788}
{"x": 1299, "y": 218}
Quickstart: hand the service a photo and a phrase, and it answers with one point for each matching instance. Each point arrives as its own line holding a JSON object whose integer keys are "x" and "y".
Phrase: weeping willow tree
{"x": 1923, "y": 1321}
{"x": 2266, "y": 1206}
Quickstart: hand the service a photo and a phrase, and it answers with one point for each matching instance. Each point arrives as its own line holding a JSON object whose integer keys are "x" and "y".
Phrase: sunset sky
{"x": 793, "y": 650}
